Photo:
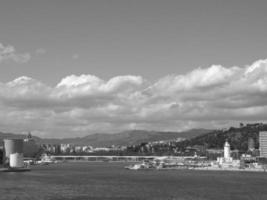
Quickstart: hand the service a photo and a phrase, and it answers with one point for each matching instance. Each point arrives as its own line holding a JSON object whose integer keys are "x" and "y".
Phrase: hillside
{"x": 237, "y": 137}
{"x": 123, "y": 138}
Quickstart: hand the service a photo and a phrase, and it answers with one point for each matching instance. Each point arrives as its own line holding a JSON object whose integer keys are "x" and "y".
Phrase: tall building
{"x": 263, "y": 143}
{"x": 251, "y": 144}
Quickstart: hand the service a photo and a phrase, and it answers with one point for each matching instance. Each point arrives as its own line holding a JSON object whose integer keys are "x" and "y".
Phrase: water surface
{"x": 111, "y": 181}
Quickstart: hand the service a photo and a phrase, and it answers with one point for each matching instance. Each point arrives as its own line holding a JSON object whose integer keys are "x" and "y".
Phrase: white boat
{"x": 133, "y": 167}
{"x": 138, "y": 166}
{"x": 45, "y": 160}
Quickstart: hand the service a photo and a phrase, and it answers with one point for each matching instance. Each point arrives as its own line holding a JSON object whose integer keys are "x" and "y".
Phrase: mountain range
{"x": 125, "y": 138}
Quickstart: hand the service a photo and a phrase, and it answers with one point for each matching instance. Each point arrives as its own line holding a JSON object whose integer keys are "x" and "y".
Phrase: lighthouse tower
{"x": 227, "y": 155}
{"x": 227, "y": 161}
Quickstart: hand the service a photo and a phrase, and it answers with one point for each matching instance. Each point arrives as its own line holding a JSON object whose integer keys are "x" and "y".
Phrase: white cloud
{"x": 9, "y": 53}
{"x": 210, "y": 97}
{"x": 90, "y": 85}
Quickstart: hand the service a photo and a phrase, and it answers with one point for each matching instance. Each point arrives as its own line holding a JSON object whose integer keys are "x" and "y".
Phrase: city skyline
{"x": 71, "y": 69}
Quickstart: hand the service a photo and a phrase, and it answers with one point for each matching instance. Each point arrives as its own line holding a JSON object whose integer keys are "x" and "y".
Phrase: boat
{"x": 144, "y": 165}
{"x": 46, "y": 160}
{"x": 134, "y": 167}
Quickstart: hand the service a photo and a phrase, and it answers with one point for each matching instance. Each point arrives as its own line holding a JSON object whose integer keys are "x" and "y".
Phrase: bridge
{"x": 118, "y": 158}
{"x": 103, "y": 158}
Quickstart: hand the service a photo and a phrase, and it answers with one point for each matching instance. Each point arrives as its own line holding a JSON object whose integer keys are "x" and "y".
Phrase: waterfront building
{"x": 78, "y": 149}
{"x": 251, "y": 144}
{"x": 213, "y": 154}
{"x": 13, "y": 146}
{"x": 13, "y": 152}
{"x": 263, "y": 143}
{"x": 235, "y": 154}
{"x": 65, "y": 148}
{"x": 227, "y": 161}
{"x": 87, "y": 149}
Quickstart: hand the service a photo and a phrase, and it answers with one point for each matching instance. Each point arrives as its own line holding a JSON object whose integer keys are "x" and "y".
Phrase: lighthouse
{"x": 227, "y": 150}
{"x": 227, "y": 161}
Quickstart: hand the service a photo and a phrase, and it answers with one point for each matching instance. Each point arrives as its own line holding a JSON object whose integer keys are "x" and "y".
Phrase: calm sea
{"x": 111, "y": 181}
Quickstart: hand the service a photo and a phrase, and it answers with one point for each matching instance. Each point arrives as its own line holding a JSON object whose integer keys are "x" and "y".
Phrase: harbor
{"x": 225, "y": 163}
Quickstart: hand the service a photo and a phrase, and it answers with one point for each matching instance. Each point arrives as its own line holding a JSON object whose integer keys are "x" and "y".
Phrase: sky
{"x": 73, "y": 68}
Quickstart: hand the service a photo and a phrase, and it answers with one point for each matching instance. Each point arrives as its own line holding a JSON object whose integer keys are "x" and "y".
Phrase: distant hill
{"x": 237, "y": 137}
{"x": 123, "y": 138}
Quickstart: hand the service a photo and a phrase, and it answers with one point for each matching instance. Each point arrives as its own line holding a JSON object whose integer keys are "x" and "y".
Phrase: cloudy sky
{"x": 73, "y": 68}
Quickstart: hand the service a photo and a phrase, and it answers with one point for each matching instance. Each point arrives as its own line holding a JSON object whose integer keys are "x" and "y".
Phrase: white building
{"x": 227, "y": 161}
{"x": 227, "y": 154}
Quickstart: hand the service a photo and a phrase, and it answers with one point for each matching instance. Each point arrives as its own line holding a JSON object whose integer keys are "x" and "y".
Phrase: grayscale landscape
{"x": 137, "y": 99}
